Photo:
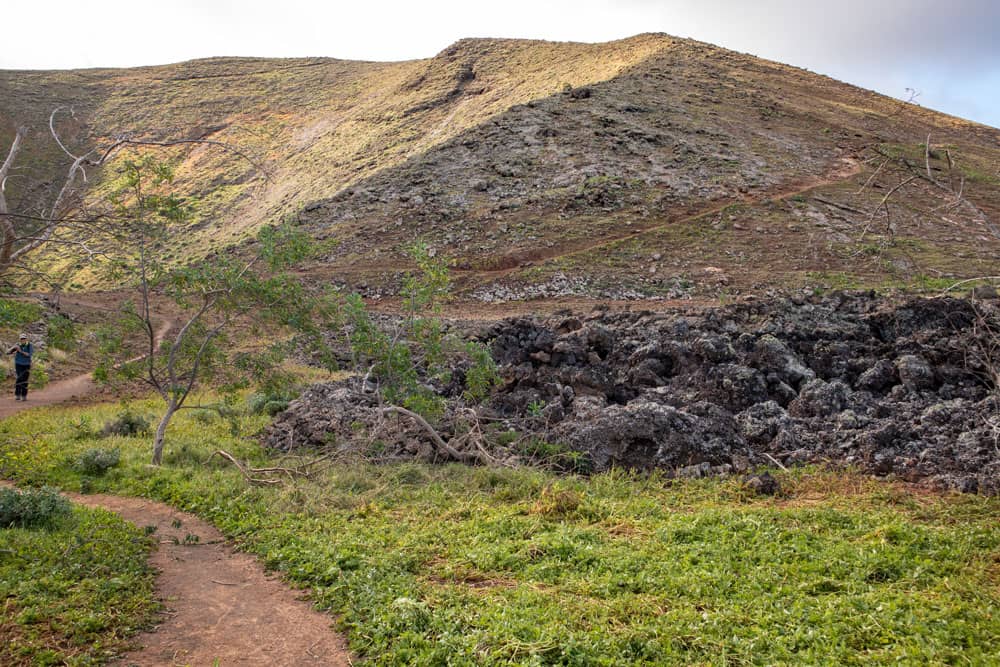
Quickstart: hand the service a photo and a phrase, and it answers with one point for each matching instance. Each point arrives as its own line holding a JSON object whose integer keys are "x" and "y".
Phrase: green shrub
{"x": 82, "y": 428}
{"x": 15, "y": 313}
{"x": 128, "y": 424}
{"x": 97, "y": 461}
{"x": 61, "y": 333}
{"x": 256, "y": 403}
{"x": 24, "y": 509}
{"x": 274, "y": 407}
{"x": 555, "y": 455}
{"x": 204, "y": 416}
{"x": 269, "y": 403}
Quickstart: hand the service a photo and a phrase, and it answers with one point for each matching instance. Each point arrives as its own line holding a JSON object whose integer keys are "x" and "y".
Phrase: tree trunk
{"x": 7, "y": 232}
{"x": 161, "y": 431}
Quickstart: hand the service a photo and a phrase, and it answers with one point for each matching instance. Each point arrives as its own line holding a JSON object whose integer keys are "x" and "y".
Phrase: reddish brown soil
{"x": 64, "y": 391}
{"x": 57, "y": 392}
{"x": 220, "y": 606}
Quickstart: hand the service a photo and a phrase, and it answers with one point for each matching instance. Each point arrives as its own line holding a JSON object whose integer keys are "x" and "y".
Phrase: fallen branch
{"x": 439, "y": 442}
{"x": 968, "y": 280}
{"x": 247, "y": 472}
{"x": 843, "y": 207}
{"x": 775, "y": 461}
{"x": 255, "y": 475}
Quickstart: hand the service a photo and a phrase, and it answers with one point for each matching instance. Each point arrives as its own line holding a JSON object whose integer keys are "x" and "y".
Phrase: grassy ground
{"x": 455, "y": 565}
{"x": 72, "y": 593}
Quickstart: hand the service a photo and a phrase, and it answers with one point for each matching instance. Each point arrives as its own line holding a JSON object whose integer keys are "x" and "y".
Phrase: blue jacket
{"x": 22, "y": 356}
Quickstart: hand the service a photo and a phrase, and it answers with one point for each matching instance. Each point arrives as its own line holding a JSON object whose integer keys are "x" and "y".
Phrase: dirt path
{"x": 220, "y": 607}
{"x": 62, "y": 391}
{"x": 847, "y": 168}
{"x": 55, "y": 392}
{"x": 516, "y": 260}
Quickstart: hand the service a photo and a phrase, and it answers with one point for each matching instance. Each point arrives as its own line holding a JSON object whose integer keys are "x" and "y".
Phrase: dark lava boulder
{"x": 896, "y": 388}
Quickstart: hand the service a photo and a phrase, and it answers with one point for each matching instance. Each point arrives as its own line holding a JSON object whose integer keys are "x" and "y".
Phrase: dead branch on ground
{"x": 266, "y": 476}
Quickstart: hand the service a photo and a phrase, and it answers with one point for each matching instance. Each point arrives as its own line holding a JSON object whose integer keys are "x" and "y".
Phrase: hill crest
{"x": 517, "y": 158}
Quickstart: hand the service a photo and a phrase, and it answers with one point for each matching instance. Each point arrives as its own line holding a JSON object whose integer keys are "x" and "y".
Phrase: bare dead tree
{"x": 901, "y": 177}
{"x": 62, "y": 222}
{"x": 23, "y": 234}
{"x": 952, "y": 190}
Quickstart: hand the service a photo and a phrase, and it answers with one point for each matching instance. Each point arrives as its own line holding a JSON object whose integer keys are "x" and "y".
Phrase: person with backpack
{"x": 22, "y": 367}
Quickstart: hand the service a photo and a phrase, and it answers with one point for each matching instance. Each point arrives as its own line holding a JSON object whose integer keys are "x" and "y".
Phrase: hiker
{"x": 22, "y": 367}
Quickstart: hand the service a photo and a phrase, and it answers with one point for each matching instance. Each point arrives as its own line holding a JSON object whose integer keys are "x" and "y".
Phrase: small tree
{"x": 211, "y": 295}
{"x": 403, "y": 362}
{"x": 403, "y": 358}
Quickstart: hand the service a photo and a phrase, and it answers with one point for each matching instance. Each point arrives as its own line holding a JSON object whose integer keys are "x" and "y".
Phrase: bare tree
{"x": 950, "y": 188}
{"x": 63, "y": 222}
{"x": 21, "y": 233}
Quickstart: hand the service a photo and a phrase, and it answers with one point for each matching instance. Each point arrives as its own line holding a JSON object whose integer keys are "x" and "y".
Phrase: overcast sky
{"x": 949, "y": 52}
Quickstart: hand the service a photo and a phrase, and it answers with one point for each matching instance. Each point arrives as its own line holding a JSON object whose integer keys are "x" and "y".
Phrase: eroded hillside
{"x": 648, "y": 167}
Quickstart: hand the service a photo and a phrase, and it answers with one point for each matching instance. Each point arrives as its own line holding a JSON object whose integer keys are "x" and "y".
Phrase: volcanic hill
{"x": 650, "y": 167}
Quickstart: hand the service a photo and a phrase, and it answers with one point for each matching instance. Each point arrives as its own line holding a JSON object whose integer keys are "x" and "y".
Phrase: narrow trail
{"x": 62, "y": 391}
{"x": 515, "y": 260}
{"x": 221, "y": 608}
{"x": 848, "y": 169}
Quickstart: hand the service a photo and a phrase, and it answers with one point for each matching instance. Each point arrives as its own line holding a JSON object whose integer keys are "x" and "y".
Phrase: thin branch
{"x": 967, "y": 281}
{"x": 884, "y": 204}
{"x": 775, "y": 461}
{"x": 436, "y": 438}
{"x": 927, "y": 158}
{"x": 874, "y": 175}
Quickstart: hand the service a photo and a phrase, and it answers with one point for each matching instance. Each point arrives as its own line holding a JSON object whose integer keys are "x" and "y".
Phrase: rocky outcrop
{"x": 893, "y": 388}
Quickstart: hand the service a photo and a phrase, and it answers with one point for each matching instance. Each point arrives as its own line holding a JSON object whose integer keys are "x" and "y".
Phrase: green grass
{"x": 919, "y": 283}
{"x": 476, "y": 566}
{"x": 74, "y": 593}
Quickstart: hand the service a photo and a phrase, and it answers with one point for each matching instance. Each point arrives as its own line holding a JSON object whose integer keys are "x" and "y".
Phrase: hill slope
{"x": 651, "y": 166}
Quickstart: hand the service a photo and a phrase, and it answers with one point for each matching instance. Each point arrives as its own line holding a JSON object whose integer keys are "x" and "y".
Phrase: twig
{"x": 775, "y": 461}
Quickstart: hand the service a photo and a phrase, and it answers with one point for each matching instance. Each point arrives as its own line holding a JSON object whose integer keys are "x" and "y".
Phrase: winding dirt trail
{"x": 55, "y": 392}
{"x": 221, "y": 608}
{"x": 66, "y": 390}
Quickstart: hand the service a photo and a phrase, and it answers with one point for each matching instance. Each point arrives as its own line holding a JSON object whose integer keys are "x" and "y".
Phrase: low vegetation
{"x": 477, "y": 565}
{"x": 15, "y": 314}
{"x": 74, "y": 584}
